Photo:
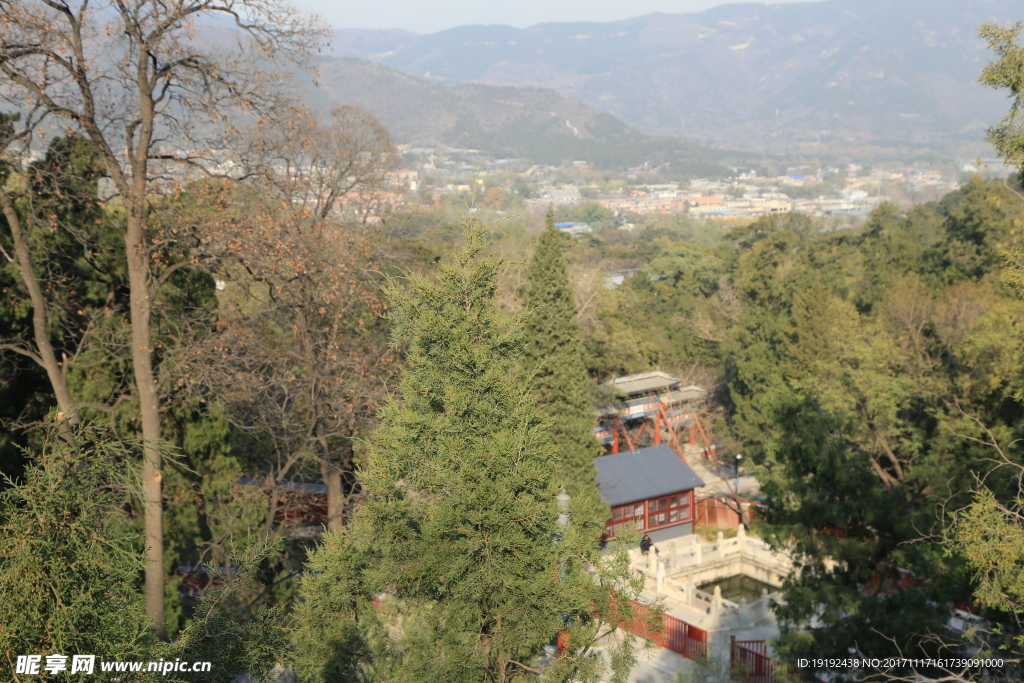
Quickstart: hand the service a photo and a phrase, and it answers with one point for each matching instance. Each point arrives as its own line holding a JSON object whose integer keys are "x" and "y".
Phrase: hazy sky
{"x": 427, "y": 16}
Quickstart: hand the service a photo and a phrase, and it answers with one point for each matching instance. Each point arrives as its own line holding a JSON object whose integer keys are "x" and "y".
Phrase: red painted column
{"x": 657, "y": 429}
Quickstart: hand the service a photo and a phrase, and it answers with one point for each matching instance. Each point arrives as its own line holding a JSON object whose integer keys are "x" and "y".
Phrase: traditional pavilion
{"x": 649, "y": 488}
{"x": 648, "y": 408}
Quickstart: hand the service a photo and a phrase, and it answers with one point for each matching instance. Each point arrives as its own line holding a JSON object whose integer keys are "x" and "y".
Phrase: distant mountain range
{"x": 805, "y": 77}
{"x": 537, "y": 124}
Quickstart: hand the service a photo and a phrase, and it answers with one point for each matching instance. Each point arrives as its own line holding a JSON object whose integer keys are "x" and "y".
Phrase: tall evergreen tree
{"x": 462, "y": 534}
{"x": 554, "y": 356}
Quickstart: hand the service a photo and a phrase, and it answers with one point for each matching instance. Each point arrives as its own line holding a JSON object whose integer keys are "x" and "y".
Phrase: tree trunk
{"x": 331, "y": 474}
{"x": 335, "y": 495}
{"x": 140, "y": 307}
{"x": 47, "y": 356}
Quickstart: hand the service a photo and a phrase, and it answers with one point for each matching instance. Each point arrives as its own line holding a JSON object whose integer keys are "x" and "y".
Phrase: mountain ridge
{"x": 802, "y": 76}
{"x": 538, "y": 124}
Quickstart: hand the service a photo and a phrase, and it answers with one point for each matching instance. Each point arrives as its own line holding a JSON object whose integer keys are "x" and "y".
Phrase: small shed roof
{"x": 643, "y": 474}
{"x": 644, "y": 382}
{"x": 690, "y": 392}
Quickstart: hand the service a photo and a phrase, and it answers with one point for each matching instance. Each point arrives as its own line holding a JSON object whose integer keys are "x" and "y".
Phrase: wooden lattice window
{"x": 627, "y": 514}
{"x": 672, "y": 509}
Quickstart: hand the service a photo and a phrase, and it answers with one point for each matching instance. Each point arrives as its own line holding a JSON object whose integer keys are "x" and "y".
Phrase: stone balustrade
{"x": 681, "y": 565}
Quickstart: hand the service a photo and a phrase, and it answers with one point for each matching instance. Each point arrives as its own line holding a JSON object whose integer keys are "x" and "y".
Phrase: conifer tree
{"x": 1007, "y": 73}
{"x": 461, "y": 538}
{"x": 70, "y": 560}
{"x": 67, "y": 562}
{"x": 554, "y": 357}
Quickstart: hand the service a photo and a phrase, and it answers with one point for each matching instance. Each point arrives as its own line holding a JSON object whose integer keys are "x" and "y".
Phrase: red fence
{"x": 676, "y": 634}
{"x": 686, "y": 639}
{"x": 751, "y": 663}
{"x": 748, "y": 659}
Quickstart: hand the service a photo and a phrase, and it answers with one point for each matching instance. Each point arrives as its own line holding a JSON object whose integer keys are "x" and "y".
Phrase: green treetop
{"x": 461, "y": 537}
{"x": 67, "y": 563}
{"x": 1007, "y": 73}
{"x": 554, "y": 356}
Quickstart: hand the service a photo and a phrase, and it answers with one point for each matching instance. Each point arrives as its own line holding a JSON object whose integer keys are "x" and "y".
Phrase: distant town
{"x": 851, "y": 191}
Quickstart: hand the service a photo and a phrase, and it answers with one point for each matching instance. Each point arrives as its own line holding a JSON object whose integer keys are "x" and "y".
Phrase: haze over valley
{"x": 861, "y": 78}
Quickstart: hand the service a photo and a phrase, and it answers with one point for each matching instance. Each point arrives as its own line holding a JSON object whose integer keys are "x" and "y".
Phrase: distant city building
{"x": 564, "y": 194}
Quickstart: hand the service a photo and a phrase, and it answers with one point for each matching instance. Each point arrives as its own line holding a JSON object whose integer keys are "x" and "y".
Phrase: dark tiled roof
{"x": 643, "y": 474}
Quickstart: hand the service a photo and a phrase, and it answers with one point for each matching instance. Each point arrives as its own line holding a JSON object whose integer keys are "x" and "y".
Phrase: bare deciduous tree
{"x": 301, "y": 354}
{"x": 132, "y": 78}
{"x": 316, "y": 164}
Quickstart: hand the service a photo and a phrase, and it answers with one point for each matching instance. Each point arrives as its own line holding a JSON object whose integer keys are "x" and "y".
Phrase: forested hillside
{"x": 869, "y": 375}
{"x": 536, "y": 124}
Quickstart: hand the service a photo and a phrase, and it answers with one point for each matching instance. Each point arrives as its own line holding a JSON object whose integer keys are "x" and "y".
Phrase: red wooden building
{"x": 651, "y": 489}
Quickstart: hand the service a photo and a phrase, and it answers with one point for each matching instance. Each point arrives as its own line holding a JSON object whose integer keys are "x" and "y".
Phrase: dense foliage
{"x": 69, "y": 558}
{"x": 69, "y": 567}
{"x": 461, "y": 538}
{"x": 871, "y": 373}
{"x": 554, "y": 362}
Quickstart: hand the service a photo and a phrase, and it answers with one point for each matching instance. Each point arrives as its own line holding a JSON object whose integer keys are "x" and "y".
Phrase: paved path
{"x": 661, "y": 665}
{"x": 720, "y": 481}
{"x": 656, "y": 664}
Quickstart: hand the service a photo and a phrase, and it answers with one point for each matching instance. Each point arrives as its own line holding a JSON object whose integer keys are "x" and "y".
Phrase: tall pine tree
{"x": 462, "y": 535}
{"x": 554, "y": 357}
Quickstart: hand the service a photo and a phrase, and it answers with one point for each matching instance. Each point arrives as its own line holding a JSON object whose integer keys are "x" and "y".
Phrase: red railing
{"x": 684, "y": 638}
{"x": 675, "y": 634}
{"x": 750, "y": 662}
